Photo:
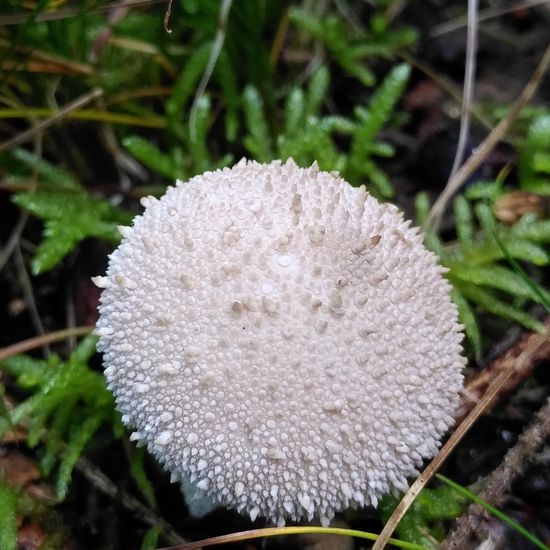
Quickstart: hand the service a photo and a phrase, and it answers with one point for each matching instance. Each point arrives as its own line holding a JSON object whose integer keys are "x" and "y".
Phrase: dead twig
{"x": 102, "y": 483}
{"x": 484, "y": 15}
{"x": 13, "y": 241}
{"x": 167, "y": 15}
{"x": 38, "y": 341}
{"x": 498, "y": 482}
{"x": 279, "y": 40}
{"x": 446, "y": 85}
{"x": 19, "y": 19}
{"x": 540, "y": 341}
{"x": 28, "y": 293}
{"x": 477, "y": 384}
{"x": 468, "y": 88}
{"x": 62, "y": 113}
{"x": 488, "y": 144}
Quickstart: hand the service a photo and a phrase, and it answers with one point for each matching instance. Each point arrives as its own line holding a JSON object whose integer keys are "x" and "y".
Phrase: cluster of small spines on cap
{"x": 280, "y": 338}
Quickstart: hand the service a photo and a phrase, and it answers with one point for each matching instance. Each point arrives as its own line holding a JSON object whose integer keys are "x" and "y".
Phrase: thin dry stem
{"x": 488, "y": 144}
{"x": 102, "y": 483}
{"x": 476, "y": 385}
{"x": 38, "y": 341}
{"x": 13, "y": 240}
{"x": 225, "y": 8}
{"x": 468, "y": 89}
{"x": 279, "y": 39}
{"x": 446, "y": 85}
{"x": 538, "y": 342}
{"x": 41, "y": 126}
{"x": 484, "y": 15}
{"x": 28, "y": 293}
{"x": 19, "y": 19}
{"x": 167, "y": 17}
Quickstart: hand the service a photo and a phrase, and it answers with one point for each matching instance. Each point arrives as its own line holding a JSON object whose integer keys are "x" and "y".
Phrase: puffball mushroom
{"x": 281, "y": 339}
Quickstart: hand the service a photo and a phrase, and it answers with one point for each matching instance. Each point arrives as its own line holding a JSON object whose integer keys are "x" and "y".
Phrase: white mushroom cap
{"x": 281, "y": 339}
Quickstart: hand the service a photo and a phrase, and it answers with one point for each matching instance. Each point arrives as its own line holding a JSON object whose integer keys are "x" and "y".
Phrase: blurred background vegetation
{"x": 102, "y": 103}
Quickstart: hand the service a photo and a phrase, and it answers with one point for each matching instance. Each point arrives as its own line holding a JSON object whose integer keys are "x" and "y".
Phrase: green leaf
{"x": 197, "y": 143}
{"x": 137, "y": 469}
{"x": 484, "y": 190}
{"x": 5, "y": 418}
{"x": 61, "y": 422}
{"x": 79, "y": 437}
{"x": 317, "y": 89}
{"x": 491, "y": 303}
{"x": 84, "y": 351}
{"x": 378, "y": 179}
{"x": 468, "y": 319}
{"x": 534, "y": 162}
{"x": 149, "y": 155}
{"x": 258, "y": 140}
{"x": 69, "y": 395}
{"x": 530, "y": 228}
{"x": 349, "y": 48}
{"x": 150, "y": 540}
{"x": 422, "y": 209}
{"x": 464, "y": 223}
{"x": 30, "y": 372}
{"x": 486, "y": 219}
{"x": 69, "y": 218}
{"x": 294, "y": 112}
{"x": 312, "y": 143}
{"x": 8, "y": 518}
{"x": 539, "y": 294}
{"x": 384, "y": 100}
{"x": 424, "y": 522}
{"x": 230, "y": 95}
{"x": 24, "y": 163}
{"x": 184, "y": 88}
{"x": 497, "y": 276}
{"x": 372, "y": 120}
{"x": 528, "y": 251}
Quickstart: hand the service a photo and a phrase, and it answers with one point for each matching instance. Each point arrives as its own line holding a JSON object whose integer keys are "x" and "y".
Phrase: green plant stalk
{"x": 298, "y": 530}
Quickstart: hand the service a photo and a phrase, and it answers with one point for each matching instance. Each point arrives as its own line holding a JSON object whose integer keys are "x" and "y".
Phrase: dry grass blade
{"x": 28, "y": 293}
{"x": 69, "y": 66}
{"x": 484, "y": 15}
{"x": 446, "y": 85}
{"x": 38, "y": 341}
{"x": 537, "y": 343}
{"x": 167, "y": 17}
{"x": 468, "y": 89}
{"x": 97, "y": 115}
{"x": 19, "y": 19}
{"x": 477, "y": 384}
{"x": 62, "y": 113}
{"x": 488, "y": 144}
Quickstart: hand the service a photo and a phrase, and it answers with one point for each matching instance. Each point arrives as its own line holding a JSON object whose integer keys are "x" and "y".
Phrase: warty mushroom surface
{"x": 281, "y": 339}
